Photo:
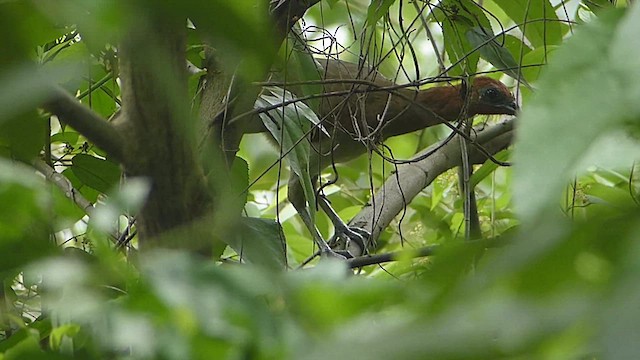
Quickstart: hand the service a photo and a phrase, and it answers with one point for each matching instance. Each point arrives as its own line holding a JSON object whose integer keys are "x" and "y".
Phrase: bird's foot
{"x": 346, "y": 237}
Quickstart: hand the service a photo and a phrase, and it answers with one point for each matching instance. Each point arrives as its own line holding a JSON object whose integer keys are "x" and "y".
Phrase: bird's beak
{"x": 512, "y": 107}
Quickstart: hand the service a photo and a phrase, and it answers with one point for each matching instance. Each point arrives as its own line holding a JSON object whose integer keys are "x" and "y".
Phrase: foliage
{"x": 560, "y": 285}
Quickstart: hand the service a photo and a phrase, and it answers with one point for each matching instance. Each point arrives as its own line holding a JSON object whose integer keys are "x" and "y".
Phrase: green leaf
{"x": 458, "y": 18}
{"x": 239, "y": 185}
{"x": 15, "y": 82}
{"x": 37, "y": 330}
{"x": 23, "y": 28}
{"x": 464, "y": 61}
{"x": 27, "y": 348}
{"x": 620, "y": 315}
{"x": 488, "y": 167}
{"x": 127, "y": 198}
{"x": 598, "y": 5}
{"x": 19, "y": 337}
{"x": 24, "y": 216}
{"x": 24, "y": 135}
{"x": 260, "y": 242}
{"x": 290, "y": 126}
{"x": 60, "y": 332}
{"x": 332, "y": 3}
{"x": 533, "y": 62}
{"x": 240, "y": 27}
{"x": 64, "y": 54}
{"x": 66, "y": 211}
{"x": 590, "y": 88}
{"x": 67, "y": 137}
{"x": 88, "y": 192}
{"x": 299, "y": 65}
{"x": 612, "y": 197}
{"x": 377, "y": 9}
{"x": 537, "y": 19}
{"x": 102, "y": 101}
{"x": 99, "y": 174}
{"x": 99, "y": 22}
{"x": 492, "y": 51}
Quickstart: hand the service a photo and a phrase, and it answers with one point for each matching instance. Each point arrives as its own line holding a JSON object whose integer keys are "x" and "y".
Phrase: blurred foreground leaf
{"x": 589, "y": 89}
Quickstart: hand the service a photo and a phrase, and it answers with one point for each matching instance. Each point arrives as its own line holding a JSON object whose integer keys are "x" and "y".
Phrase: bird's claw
{"x": 357, "y": 235}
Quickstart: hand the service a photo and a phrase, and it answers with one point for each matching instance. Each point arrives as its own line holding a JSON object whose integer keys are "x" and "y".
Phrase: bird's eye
{"x": 491, "y": 94}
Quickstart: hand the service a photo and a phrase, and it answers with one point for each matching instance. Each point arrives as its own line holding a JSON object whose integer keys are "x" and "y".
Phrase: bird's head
{"x": 487, "y": 97}
{"x": 491, "y": 97}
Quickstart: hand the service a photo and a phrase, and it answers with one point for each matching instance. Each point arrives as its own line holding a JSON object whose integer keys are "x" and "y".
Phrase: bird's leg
{"x": 325, "y": 249}
{"x": 357, "y": 235}
{"x": 296, "y": 198}
{"x": 470, "y": 209}
{"x": 470, "y": 205}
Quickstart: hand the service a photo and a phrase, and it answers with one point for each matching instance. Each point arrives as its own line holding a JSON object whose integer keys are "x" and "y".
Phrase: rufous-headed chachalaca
{"x": 356, "y": 110}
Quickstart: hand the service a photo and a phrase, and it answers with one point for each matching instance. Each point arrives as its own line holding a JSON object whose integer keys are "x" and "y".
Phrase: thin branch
{"x": 68, "y": 190}
{"x": 86, "y": 122}
{"x": 64, "y": 184}
{"x": 361, "y": 261}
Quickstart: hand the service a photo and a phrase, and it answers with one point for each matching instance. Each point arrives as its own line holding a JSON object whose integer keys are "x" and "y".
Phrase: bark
{"x": 158, "y": 130}
{"x": 85, "y": 121}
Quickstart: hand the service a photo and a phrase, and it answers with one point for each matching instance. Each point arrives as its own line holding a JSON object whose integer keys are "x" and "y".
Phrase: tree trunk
{"x": 158, "y": 129}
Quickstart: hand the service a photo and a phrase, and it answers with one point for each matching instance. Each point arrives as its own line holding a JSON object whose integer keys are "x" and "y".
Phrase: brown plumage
{"x": 389, "y": 114}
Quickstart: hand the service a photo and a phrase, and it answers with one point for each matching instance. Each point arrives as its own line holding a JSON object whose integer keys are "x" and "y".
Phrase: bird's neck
{"x": 424, "y": 108}
{"x": 444, "y": 102}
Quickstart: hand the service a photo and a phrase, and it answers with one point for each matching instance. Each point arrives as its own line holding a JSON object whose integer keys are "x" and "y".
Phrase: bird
{"x": 361, "y": 108}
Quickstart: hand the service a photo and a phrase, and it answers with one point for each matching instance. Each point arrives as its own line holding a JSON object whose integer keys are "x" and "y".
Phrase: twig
{"x": 361, "y": 261}
{"x": 64, "y": 184}
{"x": 69, "y": 191}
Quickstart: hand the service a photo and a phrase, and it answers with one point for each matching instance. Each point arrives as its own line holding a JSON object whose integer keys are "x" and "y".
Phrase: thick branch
{"x": 411, "y": 178}
{"x": 287, "y": 12}
{"x": 86, "y": 122}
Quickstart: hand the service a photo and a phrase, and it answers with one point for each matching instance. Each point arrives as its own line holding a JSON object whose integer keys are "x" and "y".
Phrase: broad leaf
{"x": 458, "y": 18}
{"x": 536, "y": 18}
{"x": 377, "y": 9}
{"x": 261, "y": 242}
{"x": 290, "y": 126}
{"x": 24, "y": 135}
{"x": 300, "y": 66}
{"x": 492, "y": 51}
{"x": 100, "y": 174}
